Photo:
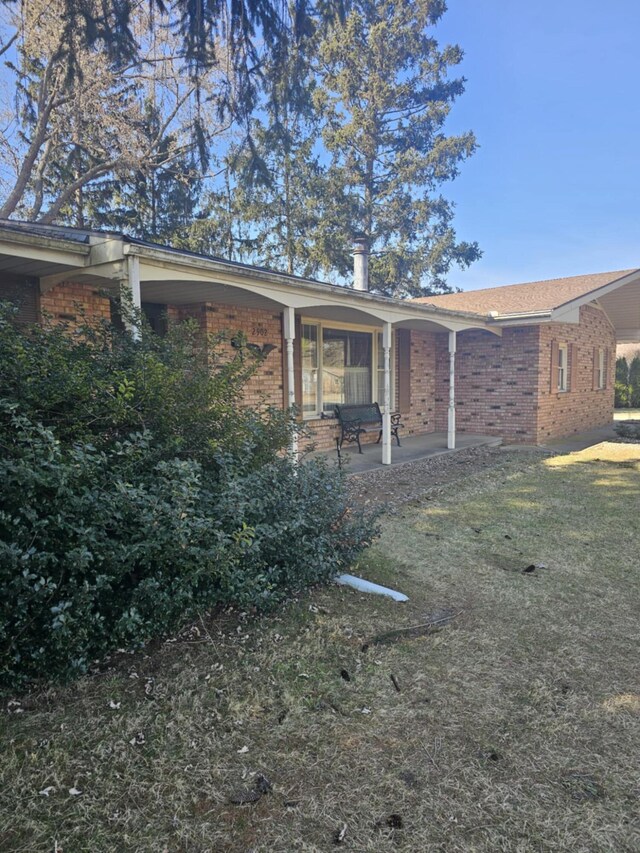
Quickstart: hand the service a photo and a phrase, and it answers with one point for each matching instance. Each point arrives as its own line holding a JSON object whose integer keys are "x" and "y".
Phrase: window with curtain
{"x": 339, "y": 366}
{"x": 346, "y": 367}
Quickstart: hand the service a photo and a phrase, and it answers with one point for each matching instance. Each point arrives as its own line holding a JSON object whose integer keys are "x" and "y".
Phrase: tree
{"x": 248, "y": 29}
{"x": 385, "y": 94}
{"x": 81, "y": 120}
{"x": 634, "y": 382}
{"x": 622, "y": 383}
{"x": 278, "y": 181}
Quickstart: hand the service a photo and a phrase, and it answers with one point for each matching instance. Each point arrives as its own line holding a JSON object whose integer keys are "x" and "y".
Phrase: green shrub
{"x": 622, "y": 396}
{"x": 634, "y": 383}
{"x": 99, "y": 385}
{"x": 118, "y": 520}
{"x": 628, "y": 429}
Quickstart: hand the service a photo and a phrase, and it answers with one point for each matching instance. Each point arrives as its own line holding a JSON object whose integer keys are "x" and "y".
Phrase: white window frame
{"x": 377, "y": 394}
{"x": 563, "y": 367}
{"x": 601, "y": 369}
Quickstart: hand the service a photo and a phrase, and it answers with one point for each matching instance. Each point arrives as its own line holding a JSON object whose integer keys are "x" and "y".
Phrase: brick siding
{"x": 266, "y": 386}
{"x": 581, "y": 408}
{"x": 495, "y": 385}
{"x": 502, "y": 383}
{"x": 74, "y": 304}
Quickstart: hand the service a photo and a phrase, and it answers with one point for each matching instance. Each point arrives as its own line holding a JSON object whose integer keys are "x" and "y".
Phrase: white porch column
{"x": 386, "y": 416}
{"x": 289, "y": 336}
{"x": 132, "y": 284}
{"x": 451, "y": 421}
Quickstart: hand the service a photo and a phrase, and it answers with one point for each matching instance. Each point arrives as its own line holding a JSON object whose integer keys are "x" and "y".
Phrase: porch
{"x": 414, "y": 448}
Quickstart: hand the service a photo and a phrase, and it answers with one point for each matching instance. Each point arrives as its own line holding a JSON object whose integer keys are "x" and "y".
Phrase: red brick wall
{"x": 503, "y": 384}
{"x": 74, "y": 304}
{"x": 421, "y": 417}
{"x": 266, "y": 386}
{"x": 496, "y": 383}
{"x": 581, "y": 408}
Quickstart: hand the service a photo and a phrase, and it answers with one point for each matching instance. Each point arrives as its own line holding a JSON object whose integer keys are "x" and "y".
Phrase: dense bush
{"x": 622, "y": 396}
{"x": 119, "y": 519}
{"x": 627, "y": 383}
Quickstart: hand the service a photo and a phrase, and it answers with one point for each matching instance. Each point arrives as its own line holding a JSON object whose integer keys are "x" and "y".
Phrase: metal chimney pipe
{"x": 360, "y": 262}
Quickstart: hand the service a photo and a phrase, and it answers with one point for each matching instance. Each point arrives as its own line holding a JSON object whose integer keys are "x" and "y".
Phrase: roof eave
{"x": 271, "y": 277}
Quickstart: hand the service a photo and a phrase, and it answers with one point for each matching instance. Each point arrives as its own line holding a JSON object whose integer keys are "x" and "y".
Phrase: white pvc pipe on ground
{"x": 367, "y": 586}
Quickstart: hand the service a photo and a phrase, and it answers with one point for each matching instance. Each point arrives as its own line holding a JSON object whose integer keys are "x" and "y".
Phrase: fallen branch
{"x": 412, "y": 632}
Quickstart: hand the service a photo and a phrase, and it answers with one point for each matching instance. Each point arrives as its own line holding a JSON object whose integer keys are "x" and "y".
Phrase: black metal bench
{"x": 356, "y": 420}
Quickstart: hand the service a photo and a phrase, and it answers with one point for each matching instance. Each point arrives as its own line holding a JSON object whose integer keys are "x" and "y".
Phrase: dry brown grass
{"x": 517, "y": 727}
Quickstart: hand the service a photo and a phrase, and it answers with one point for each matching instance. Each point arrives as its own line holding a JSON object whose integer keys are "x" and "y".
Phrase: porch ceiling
{"x": 340, "y": 314}
{"x": 622, "y": 307}
{"x": 27, "y": 267}
{"x": 176, "y": 292}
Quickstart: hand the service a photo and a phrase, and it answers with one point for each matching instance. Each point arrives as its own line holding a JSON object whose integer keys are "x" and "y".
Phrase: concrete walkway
{"x": 413, "y": 449}
{"x": 572, "y": 443}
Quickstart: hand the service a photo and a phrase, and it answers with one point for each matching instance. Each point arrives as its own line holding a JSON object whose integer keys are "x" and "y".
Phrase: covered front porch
{"x": 337, "y": 344}
{"x": 414, "y": 448}
{"x": 318, "y": 345}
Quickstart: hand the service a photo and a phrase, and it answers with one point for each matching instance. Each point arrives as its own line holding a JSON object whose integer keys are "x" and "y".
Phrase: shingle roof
{"x": 523, "y": 298}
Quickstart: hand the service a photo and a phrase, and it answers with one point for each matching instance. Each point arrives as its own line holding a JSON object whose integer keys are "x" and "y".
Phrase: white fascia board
{"x": 566, "y": 314}
{"x": 109, "y": 250}
{"x": 531, "y": 318}
{"x": 593, "y": 295}
{"x": 65, "y": 254}
{"x": 159, "y": 265}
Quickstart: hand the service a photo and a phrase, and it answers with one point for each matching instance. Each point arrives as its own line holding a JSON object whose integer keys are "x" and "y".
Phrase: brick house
{"x": 552, "y": 371}
{"x": 526, "y": 363}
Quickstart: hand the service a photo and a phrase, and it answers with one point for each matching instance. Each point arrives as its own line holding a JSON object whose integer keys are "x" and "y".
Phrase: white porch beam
{"x": 108, "y": 271}
{"x": 451, "y": 419}
{"x": 386, "y": 415}
{"x": 289, "y": 336}
{"x": 131, "y": 283}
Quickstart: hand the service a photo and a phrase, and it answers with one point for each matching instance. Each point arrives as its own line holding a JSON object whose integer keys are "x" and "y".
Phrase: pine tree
{"x": 634, "y": 382}
{"x": 385, "y": 94}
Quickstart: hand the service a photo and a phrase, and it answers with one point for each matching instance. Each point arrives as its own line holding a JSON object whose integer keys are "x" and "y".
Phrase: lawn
{"x": 515, "y": 726}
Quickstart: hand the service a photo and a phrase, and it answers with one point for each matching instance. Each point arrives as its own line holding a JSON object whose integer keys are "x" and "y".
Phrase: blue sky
{"x": 553, "y": 96}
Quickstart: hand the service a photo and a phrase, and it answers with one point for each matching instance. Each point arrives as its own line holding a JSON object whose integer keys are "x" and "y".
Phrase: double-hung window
{"x": 340, "y": 365}
{"x": 563, "y": 366}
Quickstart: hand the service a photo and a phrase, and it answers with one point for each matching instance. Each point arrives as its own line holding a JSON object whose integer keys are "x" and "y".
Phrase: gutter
{"x": 282, "y": 280}
{"x": 41, "y": 242}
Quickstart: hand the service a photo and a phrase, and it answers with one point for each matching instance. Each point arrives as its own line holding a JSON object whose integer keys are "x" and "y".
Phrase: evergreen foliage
{"x": 138, "y": 491}
{"x": 627, "y": 388}
{"x": 634, "y": 382}
{"x": 385, "y": 94}
{"x": 265, "y": 133}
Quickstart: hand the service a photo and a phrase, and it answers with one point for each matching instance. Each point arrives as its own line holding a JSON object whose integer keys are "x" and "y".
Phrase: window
{"x": 563, "y": 360}
{"x": 601, "y": 370}
{"x": 340, "y": 365}
{"x": 156, "y": 316}
{"x": 380, "y": 372}
{"x": 23, "y": 292}
{"x": 310, "y": 367}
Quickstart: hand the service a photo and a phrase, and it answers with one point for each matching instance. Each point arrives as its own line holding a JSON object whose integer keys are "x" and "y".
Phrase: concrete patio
{"x": 413, "y": 449}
